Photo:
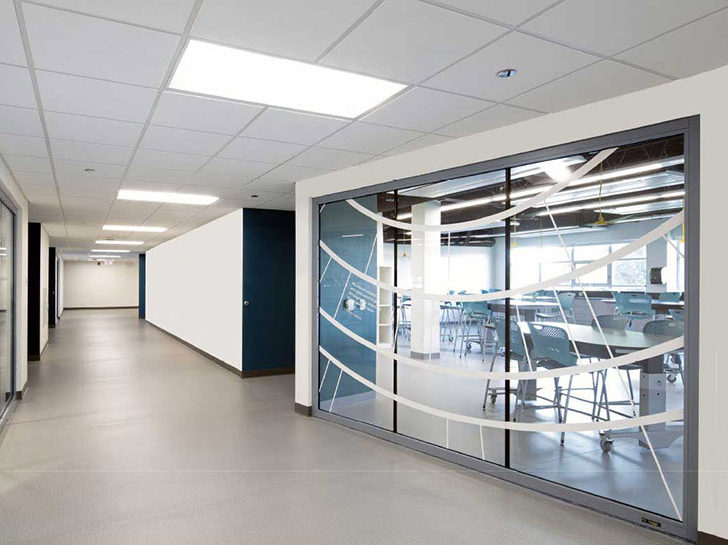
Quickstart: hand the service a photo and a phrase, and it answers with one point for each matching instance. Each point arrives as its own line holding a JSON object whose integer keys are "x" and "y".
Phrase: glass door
{"x": 7, "y": 310}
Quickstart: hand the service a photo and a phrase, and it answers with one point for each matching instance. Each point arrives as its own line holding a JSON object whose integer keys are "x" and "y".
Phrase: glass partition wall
{"x": 528, "y": 318}
{"x": 7, "y": 319}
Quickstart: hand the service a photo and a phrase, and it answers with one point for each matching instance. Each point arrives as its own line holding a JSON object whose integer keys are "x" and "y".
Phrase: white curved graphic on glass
{"x": 600, "y": 365}
{"x": 493, "y": 218}
{"x": 637, "y": 421}
{"x": 656, "y": 233}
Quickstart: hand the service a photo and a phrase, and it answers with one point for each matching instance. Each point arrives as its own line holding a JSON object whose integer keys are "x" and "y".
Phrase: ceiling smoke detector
{"x": 506, "y": 73}
{"x": 89, "y": 169}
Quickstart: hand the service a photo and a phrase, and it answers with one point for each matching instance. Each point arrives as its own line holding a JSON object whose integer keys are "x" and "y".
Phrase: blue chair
{"x": 475, "y": 314}
{"x": 670, "y": 296}
{"x": 633, "y": 305}
{"x": 552, "y": 350}
{"x": 566, "y": 299}
{"x": 517, "y": 353}
{"x": 611, "y": 321}
{"x": 678, "y": 315}
{"x": 668, "y": 328}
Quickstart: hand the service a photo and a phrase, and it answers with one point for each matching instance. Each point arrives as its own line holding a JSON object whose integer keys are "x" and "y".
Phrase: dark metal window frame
{"x": 8, "y": 408}
{"x": 689, "y": 127}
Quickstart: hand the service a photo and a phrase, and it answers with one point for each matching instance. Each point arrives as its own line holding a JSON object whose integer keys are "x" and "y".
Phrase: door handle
{"x": 246, "y": 303}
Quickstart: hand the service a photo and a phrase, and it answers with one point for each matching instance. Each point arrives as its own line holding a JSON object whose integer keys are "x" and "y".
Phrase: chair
{"x": 670, "y": 296}
{"x": 404, "y": 325}
{"x": 633, "y": 305}
{"x": 668, "y": 328}
{"x": 474, "y": 314}
{"x": 552, "y": 350}
{"x": 517, "y": 352}
{"x": 678, "y": 315}
{"x": 566, "y": 300}
{"x": 611, "y": 321}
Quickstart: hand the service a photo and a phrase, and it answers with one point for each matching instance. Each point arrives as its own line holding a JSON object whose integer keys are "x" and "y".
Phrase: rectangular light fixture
{"x": 227, "y": 72}
{"x": 134, "y": 228}
{"x": 107, "y": 250}
{"x": 165, "y": 196}
{"x": 614, "y": 202}
{"x": 99, "y": 256}
{"x": 121, "y": 242}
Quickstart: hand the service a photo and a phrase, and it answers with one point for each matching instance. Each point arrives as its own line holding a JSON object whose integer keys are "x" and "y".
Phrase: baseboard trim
{"x": 709, "y": 539}
{"x": 33, "y": 357}
{"x": 209, "y": 356}
{"x": 305, "y": 410}
{"x": 20, "y": 394}
{"x": 267, "y": 372}
{"x": 96, "y": 308}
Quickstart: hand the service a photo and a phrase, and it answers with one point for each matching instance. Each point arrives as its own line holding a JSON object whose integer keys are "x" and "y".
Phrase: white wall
{"x": 194, "y": 288}
{"x": 703, "y": 94}
{"x": 19, "y": 203}
{"x": 89, "y": 285}
{"x": 44, "y": 291}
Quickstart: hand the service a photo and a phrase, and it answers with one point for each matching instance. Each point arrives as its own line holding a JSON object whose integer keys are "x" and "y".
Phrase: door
{"x": 268, "y": 292}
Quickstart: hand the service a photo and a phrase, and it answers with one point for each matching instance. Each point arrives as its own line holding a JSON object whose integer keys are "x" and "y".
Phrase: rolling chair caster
{"x": 605, "y": 442}
{"x": 671, "y": 378}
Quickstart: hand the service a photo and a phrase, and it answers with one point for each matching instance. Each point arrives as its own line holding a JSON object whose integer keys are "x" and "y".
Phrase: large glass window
{"x": 7, "y": 378}
{"x": 415, "y": 337}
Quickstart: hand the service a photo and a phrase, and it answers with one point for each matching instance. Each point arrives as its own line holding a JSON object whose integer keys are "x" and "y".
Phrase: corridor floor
{"x": 127, "y": 436}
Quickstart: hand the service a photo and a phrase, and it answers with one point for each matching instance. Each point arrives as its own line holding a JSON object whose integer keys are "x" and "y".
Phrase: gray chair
{"x": 566, "y": 299}
{"x": 611, "y": 321}
{"x": 668, "y": 328}
{"x": 517, "y": 353}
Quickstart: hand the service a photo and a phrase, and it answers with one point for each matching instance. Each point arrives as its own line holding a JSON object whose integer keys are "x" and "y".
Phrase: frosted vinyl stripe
{"x": 657, "y": 418}
{"x": 493, "y": 218}
{"x": 633, "y": 357}
{"x": 656, "y": 233}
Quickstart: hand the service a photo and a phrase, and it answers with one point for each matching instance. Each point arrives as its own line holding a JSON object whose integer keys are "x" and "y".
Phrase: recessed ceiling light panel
{"x": 107, "y": 250}
{"x": 133, "y": 228}
{"x": 121, "y": 242}
{"x": 164, "y": 196}
{"x": 227, "y": 72}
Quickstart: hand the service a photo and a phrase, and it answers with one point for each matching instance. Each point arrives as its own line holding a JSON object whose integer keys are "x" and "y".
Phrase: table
{"x": 526, "y": 308}
{"x": 653, "y": 381}
{"x": 660, "y": 307}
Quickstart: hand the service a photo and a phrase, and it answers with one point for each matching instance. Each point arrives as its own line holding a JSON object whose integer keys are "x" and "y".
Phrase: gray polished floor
{"x": 127, "y": 436}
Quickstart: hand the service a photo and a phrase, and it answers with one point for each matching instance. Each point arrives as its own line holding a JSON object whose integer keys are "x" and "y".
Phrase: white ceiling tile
{"x": 45, "y": 211}
{"x": 169, "y": 160}
{"x": 171, "y": 214}
{"x": 492, "y": 118}
{"x": 23, "y": 145}
{"x": 329, "y": 158}
{"x": 28, "y": 164}
{"x": 132, "y": 212}
{"x": 202, "y": 113}
{"x": 285, "y": 202}
{"x": 407, "y": 41}
{"x": 17, "y": 89}
{"x": 294, "y": 173}
{"x": 11, "y": 44}
{"x": 611, "y": 27}
{"x": 78, "y": 168}
{"x": 689, "y": 50}
{"x": 512, "y": 12}
{"x": 92, "y": 129}
{"x": 417, "y": 143}
{"x": 293, "y": 127}
{"x": 596, "y": 82}
{"x": 252, "y": 149}
{"x": 71, "y": 186}
{"x": 537, "y": 61}
{"x": 283, "y": 27}
{"x": 183, "y": 141}
{"x": 34, "y": 178}
{"x": 76, "y": 95}
{"x": 93, "y": 153}
{"x": 23, "y": 121}
{"x": 88, "y": 46}
{"x": 158, "y": 175}
{"x": 425, "y": 110}
{"x": 271, "y": 184}
{"x": 221, "y": 168}
{"x": 36, "y": 193}
{"x": 368, "y": 138}
{"x": 168, "y": 15}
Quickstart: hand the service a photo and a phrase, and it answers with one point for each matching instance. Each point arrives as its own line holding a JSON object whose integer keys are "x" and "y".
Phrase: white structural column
{"x": 427, "y": 278}
{"x": 655, "y": 257}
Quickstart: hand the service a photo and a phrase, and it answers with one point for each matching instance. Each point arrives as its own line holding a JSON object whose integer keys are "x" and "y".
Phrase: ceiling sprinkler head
{"x": 506, "y": 73}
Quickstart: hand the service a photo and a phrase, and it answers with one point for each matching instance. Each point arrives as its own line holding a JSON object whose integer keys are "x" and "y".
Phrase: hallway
{"x": 127, "y": 436}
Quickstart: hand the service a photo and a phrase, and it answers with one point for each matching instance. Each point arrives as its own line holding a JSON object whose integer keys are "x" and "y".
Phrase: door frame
{"x": 689, "y": 127}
